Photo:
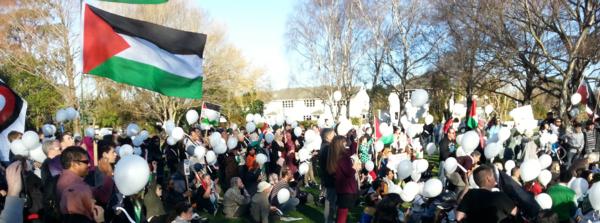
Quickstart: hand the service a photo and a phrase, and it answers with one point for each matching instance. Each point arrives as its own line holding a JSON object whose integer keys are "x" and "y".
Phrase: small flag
{"x": 210, "y": 114}
{"x": 587, "y": 96}
{"x": 138, "y": 1}
{"x": 471, "y": 113}
{"x": 13, "y": 111}
{"x": 143, "y": 54}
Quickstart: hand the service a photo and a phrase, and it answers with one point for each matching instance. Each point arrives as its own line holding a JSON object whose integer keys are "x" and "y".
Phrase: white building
{"x": 302, "y": 104}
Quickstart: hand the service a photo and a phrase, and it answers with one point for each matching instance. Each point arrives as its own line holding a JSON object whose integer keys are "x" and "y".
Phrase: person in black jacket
{"x": 327, "y": 180}
{"x": 447, "y": 149}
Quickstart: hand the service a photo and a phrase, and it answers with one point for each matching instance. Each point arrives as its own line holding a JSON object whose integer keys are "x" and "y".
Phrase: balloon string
{"x": 126, "y": 214}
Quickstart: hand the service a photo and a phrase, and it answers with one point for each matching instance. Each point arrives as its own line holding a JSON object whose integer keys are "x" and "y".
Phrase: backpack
{"x": 51, "y": 209}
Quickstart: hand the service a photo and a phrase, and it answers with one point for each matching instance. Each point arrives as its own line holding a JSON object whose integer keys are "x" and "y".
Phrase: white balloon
{"x": 304, "y": 154}
{"x": 428, "y": 119}
{"x": 178, "y": 133}
{"x": 415, "y": 176}
{"x": 450, "y": 165}
{"x": 232, "y": 142}
{"x": 297, "y": 131}
{"x": 410, "y": 190}
{"x": 283, "y": 195}
{"x": 125, "y": 150}
{"x": 18, "y": 148}
{"x": 214, "y": 138}
{"x": 191, "y": 116}
{"x": 269, "y": 137}
{"x": 71, "y": 113}
{"x": 575, "y": 98}
{"x": 169, "y": 126}
{"x": 37, "y": 154}
{"x": 383, "y": 127}
{"x": 221, "y": 147}
{"x": 344, "y": 127}
{"x": 171, "y": 141}
{"x": 503, "y": 134}
{"x": 432, "y": 188}
{"x": 369, "y": 165}
{"x": 303, "y": 169}
{"x": 250, "y": 127}
{"x": 594, "y": 195}
{"x": 404, "y": 169}
{"x": 131, "y": 174}
{"x": 31, "y": 140}
{"x": 48, "y": 130}
{"x": 545, "y": 161}
{"x": 470, "y": 141}
{"x": 261, "y": 159}
{"x": 419, "y": 97}
{"x": 310, "y": 136}
{"x": 488, "y": 109}
{"x": 132, "y": 129}
{"x": 199, "y": 152}
{"x": 61, "y": 115}
{"x": 138, "y": 141}
{"x": 90, "y": 132}
{"x": 294, "y": 124}
{"x": 211, "y": 157}
{"x": 580, "y": 186}
{"x": 137, "y": 151}
{"x": 379, "y": 146}
{"x": 421, "y": 165}
{"x": 530, "y": 170}
{"x": 144, "y": 135}
{"x": 249, "y": 118}
{"x": 233, "y": 126}
{"x": 545, "y": 177}
{"x": 509, "y": 165}
{"x": 337, "y": 95}
{"x": 258, "y": 119}
{"x": 544, "y": 200}
{"x": 492, "y": 150}
{"x": 430, "y": 149}
{"x": 279, "y": 120}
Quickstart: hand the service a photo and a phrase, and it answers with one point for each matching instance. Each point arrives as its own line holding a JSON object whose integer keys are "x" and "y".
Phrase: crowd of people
{"x": 76, "y": 183}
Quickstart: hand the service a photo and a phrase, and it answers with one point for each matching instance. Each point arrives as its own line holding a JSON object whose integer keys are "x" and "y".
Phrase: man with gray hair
{"x": 236, "y": 199}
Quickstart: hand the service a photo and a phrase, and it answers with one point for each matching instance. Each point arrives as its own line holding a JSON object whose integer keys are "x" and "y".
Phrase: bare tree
{"x": 40, "y": 40}
{"x": 570, "y": 42}
{"x": 414, "y": 41}
{"x": 327, "y": 35}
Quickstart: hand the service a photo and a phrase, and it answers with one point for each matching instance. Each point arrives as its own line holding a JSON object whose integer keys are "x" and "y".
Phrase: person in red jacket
{"x": 342, "y": 165}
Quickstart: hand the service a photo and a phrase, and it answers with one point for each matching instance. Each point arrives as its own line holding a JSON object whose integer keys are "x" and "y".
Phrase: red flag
{"x": 376, "y": 126}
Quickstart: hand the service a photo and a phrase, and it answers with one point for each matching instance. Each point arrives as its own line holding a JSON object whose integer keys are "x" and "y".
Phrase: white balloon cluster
{"x": 67, "y": 114}
{"x": 28, "y": 146}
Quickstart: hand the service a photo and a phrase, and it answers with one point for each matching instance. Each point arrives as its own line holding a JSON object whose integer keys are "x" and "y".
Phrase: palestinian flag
{"x": 210, "y": 114}
{"x": 471, "y": 113}
{"x": 138, "y": 1}
{"x": 587, "y": 96}
{"x": 143, "y": 54}
{"x": 13, "y": 111}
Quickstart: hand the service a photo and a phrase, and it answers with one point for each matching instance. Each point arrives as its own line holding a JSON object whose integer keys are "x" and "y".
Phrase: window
{"x": 288, "y": 104}
{"x": 307, "y": 117}
{"x": 309, "y": 103}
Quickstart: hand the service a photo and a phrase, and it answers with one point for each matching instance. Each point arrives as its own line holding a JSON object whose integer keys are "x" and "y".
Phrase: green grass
{"x": 313, "y": 213}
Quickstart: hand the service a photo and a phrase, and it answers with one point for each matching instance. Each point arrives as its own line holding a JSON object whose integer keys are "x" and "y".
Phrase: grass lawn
{"x": 314, "y": 213}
